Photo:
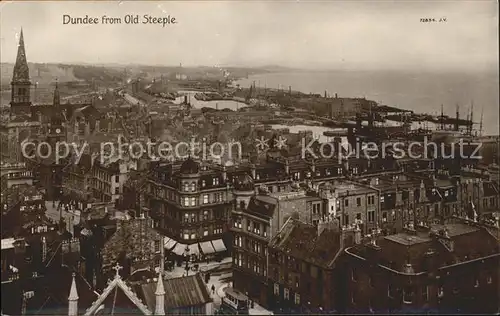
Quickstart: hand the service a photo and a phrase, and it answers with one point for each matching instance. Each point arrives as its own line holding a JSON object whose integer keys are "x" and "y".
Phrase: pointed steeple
{"x": 160, "y": 297}
{"x": 57, "y": 97}
{"x": 21, "y": 70}
{"x": 73, "y": 299}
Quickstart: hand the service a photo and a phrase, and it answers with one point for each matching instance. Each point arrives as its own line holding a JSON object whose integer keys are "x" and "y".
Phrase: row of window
{"x": 191, "y": 186}
{"x": 193, "y": 234}
{"x": 286, "y": 294}
{"x": 193, "y": 201}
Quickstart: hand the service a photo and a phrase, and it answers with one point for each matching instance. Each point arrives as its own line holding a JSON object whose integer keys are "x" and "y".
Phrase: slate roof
{"x": 301, "y": 241}
{"x": 179, "y": 292}
{"x": 469, "y": 242}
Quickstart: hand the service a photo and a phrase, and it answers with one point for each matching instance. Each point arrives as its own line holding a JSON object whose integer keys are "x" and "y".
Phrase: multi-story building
{"x": 77, "y": 178}
{"x": 253, "y": 228}
{"x": 191, "y": 204}
{"x": 446, "y": 268}
{"x": 14, "y": 174}
{"x": 109, "y": 177}
{"x": 302, "y": 261}
{"x": 354, "y": 203}
{"x": 23, "y": 211}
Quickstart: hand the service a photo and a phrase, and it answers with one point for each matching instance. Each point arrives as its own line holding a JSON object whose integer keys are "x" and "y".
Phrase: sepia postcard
{"x": 249, "y": 157}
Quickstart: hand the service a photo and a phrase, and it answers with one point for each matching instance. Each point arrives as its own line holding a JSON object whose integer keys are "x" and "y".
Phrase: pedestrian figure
{"x": 213, "y": 289}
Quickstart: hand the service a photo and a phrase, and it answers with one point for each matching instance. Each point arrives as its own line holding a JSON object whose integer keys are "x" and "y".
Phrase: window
{"x": 371, "y": 199}
{"x": 384, "y": 217}
{"x": 193, "y": 236}
{"x": 276, "y": 289}
{"x": 157, "y": 246}
{"x": 205, "y": 199}
{"x": 346, "y": 202}
{"x": 371, "y": 216}
{"x": 425, "y": 293}
{"x": 117, "y": 178}
{"x": 286, "y": 294}
{"x": 390, "y": 291}
{"x": 264, "y": 229}
{"x": 205, "y": 216}
{"x": 316, "y": 208}
{"x": 186, "y": 236}
{"x": 215, "y": 181}
{"x": 358, "y": 201}
{"x": 203, "y": 183}
{"x": 205, "y": 232}
{"x": 186, "y": 217}
{"x": 186, "y": 187}
{"x": 407, "y": 295}
{"x": 440, "y": 292}
{"x": 256, "y": 228}
{"x": 249, "y": 226}
{"x": 193, "y": 187}
{"x": 193, "y": 201}
{"x": 185, "y": 201}
{"x": 297, "y": 299}
{"x": 117, "y": 190}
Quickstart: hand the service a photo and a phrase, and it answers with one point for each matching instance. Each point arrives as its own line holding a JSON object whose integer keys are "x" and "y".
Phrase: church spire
{"x": 57, "y": 97}
{"x": 160, "y": 297}
{"x": 21, "y": 70}
{"x": 73, "y": 299}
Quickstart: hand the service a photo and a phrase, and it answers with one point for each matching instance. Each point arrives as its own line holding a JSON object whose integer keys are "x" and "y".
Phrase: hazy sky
{"x": 332, "y": 34}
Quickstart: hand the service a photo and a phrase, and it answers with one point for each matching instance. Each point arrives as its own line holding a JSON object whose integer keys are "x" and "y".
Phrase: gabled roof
{"x": 179, "y": 292}
{"x": 117, "y": 284}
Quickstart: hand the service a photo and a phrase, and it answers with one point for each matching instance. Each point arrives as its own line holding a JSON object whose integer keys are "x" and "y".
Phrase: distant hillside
{"x": 45, "y": 74}
{"x": 41, "y": 73}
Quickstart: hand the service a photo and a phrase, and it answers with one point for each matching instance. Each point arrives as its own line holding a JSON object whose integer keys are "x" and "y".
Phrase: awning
{"x": 194, "y": 249}
{"x": 169, "y": 243}
{"x": 179, "y": 249}
{"x": 219, "y": 245}
{"x": 207, "y": 248}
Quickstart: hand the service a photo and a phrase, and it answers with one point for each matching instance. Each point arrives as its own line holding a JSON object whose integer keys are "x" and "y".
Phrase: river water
{"x": 220, "y": 104}
{"x": 420, "y": 92}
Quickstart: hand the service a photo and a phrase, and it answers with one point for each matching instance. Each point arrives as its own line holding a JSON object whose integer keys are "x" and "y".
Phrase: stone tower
{"x": 20, "y": 94}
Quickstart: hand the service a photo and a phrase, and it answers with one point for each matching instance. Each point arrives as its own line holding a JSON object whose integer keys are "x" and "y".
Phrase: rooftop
{"x": 302, "y": 241}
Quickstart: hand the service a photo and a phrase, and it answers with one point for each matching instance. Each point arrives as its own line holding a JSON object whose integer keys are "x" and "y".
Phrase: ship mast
{"x": 457, "y": 124}
{"x": 471, "y": 116}
{"x": 442, "y": 117}
{"x": 481, "y": 123}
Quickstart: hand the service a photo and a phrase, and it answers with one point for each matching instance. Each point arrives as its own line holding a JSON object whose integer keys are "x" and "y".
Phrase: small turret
{"x": 73, "y": 299}
{"x": 160, "y": 297}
